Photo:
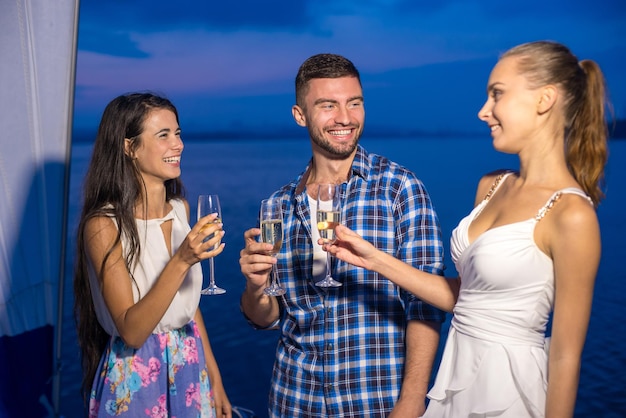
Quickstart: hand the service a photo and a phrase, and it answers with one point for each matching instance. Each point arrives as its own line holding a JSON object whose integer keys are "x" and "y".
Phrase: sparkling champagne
{"x": 272, "y": 233}
{"x": 326, "y": 223}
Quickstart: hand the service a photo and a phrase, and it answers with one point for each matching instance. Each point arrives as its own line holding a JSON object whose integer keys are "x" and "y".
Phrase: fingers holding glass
{"x": 211, "y": 238}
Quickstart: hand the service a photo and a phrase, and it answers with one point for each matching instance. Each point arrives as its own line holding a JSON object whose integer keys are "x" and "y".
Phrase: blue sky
{"x": 230, "y": 66}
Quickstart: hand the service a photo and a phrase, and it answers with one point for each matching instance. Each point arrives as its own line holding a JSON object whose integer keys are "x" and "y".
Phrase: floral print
{"x": 146, "y": 381}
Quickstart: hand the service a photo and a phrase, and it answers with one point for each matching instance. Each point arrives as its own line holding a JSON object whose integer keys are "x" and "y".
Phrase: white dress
{"x": 496, "y": 356}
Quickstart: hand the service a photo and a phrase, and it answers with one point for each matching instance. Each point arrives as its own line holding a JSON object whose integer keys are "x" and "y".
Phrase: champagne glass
{"x": 208, "y": 204}
{"x": 328, "y": 217}
{"x": 272, "y": 233}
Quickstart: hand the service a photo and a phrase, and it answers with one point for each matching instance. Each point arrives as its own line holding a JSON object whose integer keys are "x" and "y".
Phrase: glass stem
{"x": 328, "y": 265}
{"x": 274, "y": 277}
{"x": 211, "y": 275}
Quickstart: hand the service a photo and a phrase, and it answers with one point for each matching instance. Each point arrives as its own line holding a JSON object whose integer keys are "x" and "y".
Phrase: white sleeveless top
{"x": 495, "y": 361}
{"x": 152, "y": 260}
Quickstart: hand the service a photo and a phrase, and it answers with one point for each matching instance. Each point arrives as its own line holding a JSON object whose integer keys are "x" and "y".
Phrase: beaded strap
{"x": 544, "y": 210}
{"x": 494, "y": 186}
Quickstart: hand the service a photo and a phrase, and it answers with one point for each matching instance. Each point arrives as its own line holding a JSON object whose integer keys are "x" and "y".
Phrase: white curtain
{"x": 37, "y": 60}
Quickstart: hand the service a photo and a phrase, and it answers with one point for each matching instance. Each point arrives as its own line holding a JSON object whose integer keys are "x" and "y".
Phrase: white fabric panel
{"x": 37, "y": 50}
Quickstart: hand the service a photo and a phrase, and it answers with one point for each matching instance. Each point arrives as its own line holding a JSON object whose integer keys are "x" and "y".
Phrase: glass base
{"x": 274, "y": 290}
{"x": 328, "y": 282}
{"x": 212, "y": 290}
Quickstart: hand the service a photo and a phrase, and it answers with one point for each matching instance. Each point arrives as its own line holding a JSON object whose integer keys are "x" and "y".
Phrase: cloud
{"x": 119, "y": 44}
{"x": 159, "y": 15}
{"x": 580, "y": 10}
{"x": 107, "y": 26}
{"x": 242, "y": 53}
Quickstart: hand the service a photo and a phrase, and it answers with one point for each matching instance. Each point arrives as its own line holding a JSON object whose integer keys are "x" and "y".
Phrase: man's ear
{"x": 547, "y": 98}
{"x": 298, "y": 115}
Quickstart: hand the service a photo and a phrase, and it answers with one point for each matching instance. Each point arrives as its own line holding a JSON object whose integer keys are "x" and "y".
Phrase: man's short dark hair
{"x": 323, "y": 66}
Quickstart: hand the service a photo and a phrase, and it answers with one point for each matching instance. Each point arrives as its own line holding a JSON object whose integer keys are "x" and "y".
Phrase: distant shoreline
{"x": 617, "y": 131}
{"x": 85, "y": 136}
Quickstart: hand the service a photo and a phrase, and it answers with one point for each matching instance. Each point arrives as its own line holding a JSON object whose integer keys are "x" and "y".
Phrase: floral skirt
{"x": 166, "y": 377}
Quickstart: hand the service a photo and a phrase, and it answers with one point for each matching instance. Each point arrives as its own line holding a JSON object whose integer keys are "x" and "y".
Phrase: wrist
{"x": 178, "y": 264}
{"x": 253, "y": 291}
{"x": 377, "y": 261}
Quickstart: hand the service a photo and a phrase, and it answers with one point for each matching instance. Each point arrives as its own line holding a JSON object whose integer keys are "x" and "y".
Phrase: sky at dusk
{"x": 229, "y": 66}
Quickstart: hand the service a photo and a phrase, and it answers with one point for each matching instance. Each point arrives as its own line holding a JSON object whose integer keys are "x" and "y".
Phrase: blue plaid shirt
{"x": 341, "y": 350}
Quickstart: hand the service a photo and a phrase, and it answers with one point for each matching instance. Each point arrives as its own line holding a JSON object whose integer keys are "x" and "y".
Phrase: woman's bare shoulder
{"x": 101, "y": 228}
{"x": 487, "y": 182}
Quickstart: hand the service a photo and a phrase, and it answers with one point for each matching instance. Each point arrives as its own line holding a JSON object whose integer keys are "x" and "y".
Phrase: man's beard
{"x": 336, "y": 152}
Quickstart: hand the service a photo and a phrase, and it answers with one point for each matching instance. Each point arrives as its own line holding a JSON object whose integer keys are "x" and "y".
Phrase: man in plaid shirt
{"x": 366, "y": 348}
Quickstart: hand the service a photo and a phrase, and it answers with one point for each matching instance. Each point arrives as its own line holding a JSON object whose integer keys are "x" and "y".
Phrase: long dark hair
{"x": 112, "y": 187}
{"x": 582, "y": 82}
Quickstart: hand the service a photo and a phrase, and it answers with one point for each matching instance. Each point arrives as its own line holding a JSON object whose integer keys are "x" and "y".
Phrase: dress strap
{"x": 556, "y": 196}
{"x": 496, "y": 184}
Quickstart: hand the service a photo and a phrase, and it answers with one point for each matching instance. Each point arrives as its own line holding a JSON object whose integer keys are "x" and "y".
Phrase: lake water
{"x": 243, "y": 172}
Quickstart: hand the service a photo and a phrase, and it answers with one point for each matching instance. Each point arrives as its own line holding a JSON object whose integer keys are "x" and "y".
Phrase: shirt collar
{"x": 360, "y": 167}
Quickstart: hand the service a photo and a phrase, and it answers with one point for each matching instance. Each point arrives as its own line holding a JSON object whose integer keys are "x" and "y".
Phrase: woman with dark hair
{"x": 145, "y": 349}
{"x": 529, "y": 249}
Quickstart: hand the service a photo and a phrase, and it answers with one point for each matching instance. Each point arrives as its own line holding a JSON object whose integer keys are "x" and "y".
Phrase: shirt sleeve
{"x": 419, "y": 242}
{"x": 273, "y": 326}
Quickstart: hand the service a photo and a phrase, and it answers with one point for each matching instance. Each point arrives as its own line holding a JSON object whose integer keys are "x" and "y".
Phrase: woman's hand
{"x": 223, "y": 408}
{"x": 351, "y": 248}
{"x": 194, "y": 248}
